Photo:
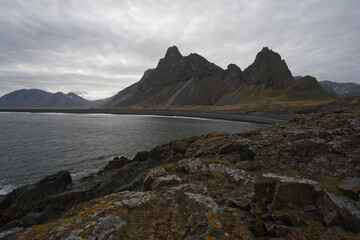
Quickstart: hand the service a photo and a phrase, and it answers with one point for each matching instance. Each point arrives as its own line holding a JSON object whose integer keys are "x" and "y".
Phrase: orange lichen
{"x": 210, "y": 238}
{"x": 214, "y": 220}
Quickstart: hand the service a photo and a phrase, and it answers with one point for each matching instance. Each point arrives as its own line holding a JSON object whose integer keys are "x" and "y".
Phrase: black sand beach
{"x": 252, "y": 117}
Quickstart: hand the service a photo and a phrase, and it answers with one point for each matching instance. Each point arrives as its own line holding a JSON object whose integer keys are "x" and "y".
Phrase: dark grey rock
{"x": 245, "y": 150}
{"x": 298, "y": 202}
{"x": 141, "y": 156}
{"x": 21, "y": 201}
{"x": 228, "y": 148}
{"x": 351, "y": 187}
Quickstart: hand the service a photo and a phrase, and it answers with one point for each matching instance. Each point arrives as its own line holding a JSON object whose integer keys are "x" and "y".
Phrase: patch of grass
{"x": 258, "y": 226}
{"x": 250, "y": 166}
{"x": 290, "y": 173}
{"x": 151, "y": 221}
{"x": 197, "y": 176}
{"x": 316, "y": 231}
{"x": 331, "y": 184}
{"x": 236, "y": 229}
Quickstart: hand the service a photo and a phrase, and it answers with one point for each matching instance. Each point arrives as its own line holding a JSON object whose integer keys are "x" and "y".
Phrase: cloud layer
{"x": 97, "y": 48}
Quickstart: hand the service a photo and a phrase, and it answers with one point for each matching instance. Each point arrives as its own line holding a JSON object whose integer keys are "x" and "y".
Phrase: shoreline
{"x": 251, "y": 117}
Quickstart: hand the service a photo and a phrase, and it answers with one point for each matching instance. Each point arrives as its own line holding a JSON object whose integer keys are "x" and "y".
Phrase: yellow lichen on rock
{"x": 213, "y": 220}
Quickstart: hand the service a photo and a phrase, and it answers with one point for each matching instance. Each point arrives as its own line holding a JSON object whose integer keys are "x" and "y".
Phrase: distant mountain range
{"x": 193, "y": 80}
{"x": 36, "y": 98}
{"x": 181, "y": 80}
{"x": 341, "y": 89}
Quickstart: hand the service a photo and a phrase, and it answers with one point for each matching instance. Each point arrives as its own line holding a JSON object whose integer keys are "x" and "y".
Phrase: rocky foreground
{"x": 298, "y": 180}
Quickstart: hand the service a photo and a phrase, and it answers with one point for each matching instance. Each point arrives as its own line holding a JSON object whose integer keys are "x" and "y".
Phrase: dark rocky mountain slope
{"x": 308, "y": 88}
{"x": 341, "y": 89}
{"x": 298, "y": 180}
{"x": 179, "y": 80}
{"x": 36, "y": 98}
{"x": 192, "y": 80}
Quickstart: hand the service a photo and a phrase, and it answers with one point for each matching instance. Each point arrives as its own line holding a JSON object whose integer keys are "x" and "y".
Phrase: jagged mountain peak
{"x": 267, "y": 55}
{"x": 173, "y": 52}
{"x": 172, "y": 57}
{"x": 269, "y": 70}
{"x": 233, "y": 67}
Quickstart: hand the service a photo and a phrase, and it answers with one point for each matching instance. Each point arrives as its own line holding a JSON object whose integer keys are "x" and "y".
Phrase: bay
{"x": 34, "y": 145}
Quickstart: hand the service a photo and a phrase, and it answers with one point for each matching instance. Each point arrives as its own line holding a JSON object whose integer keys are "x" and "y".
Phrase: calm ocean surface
{"x": 36, "y": 145}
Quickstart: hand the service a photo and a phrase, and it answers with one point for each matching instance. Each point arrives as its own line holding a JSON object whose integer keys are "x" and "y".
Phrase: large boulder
{"x": 191, "y": 167}
{"x": 245, "y": 150}
{"x": 152, "y": 175}
{"x": 298, "y": 202}
{"x": 195, "y": 166}
{"x": 197, "y": 216}
{"x": 22, "y": 200}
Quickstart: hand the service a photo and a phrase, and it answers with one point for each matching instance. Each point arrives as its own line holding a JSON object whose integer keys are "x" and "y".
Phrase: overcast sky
{"x": 96, "y": 48}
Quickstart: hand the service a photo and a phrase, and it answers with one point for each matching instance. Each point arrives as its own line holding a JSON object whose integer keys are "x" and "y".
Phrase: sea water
{"x": 34, "y": 145}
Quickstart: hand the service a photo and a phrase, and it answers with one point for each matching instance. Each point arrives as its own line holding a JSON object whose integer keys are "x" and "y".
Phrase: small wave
{"x": 53, "y": 113}
{"x": 10, "y": 231}
{"x": 7, "y": 189}
{"x": 87, "y": 172}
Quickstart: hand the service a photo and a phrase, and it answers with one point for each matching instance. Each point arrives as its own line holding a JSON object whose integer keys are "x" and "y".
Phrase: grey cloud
{"x": 100, "y": 47}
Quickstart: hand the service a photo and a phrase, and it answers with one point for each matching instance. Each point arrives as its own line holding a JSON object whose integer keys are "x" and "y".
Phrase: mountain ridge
{"x": 181, "y": 80}
{"x": 37, "y": 98}
{"x": 341, "y": 90}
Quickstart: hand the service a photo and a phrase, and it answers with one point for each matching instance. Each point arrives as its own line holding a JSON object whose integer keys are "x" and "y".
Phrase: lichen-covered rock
{"x": 198, "y": 216}
{"x": 152, "y": 175}
{"x": 195, "y": 166}
{"x": 22, "y": 200}
{"x": 232, "y": 172}
{"x": 166, "y": 181}
{"x": 96, "y": 219}
{"x": 220, "y": 200}
{"x": 216, "y": 168}
{"x": 302, "y": 201}
{"x": 133, "y": 199}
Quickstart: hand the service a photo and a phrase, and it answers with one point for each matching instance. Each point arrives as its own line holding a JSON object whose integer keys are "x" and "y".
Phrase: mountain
{"x": 193, "y": 80}
{"x": 341, "y": 89}
{"x": 178, "y": 80}
{"x": 308, "y": 87}
{"x": 36, "y": 98}
{"x": 269, "y": 69}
